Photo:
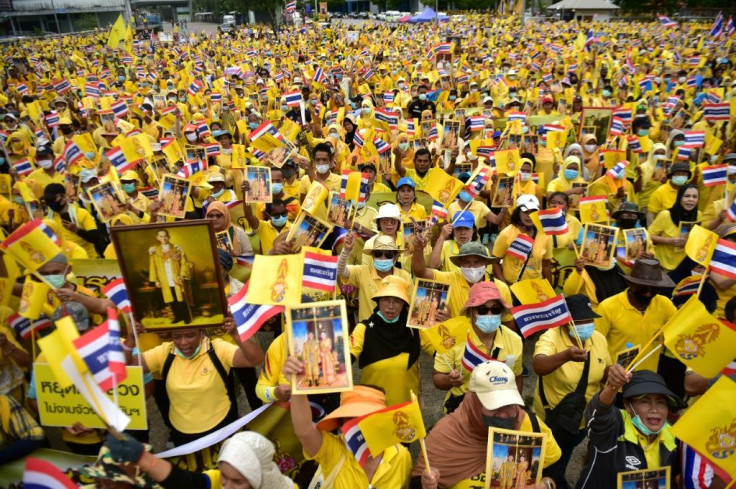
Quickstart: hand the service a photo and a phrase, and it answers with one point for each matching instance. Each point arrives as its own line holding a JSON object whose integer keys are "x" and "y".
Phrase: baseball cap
{"x": 580, "y": 308}
{"x": 405, "y": 181}
{"x": 495, "y": 385}
{"x": 87, "y": 175}
{"x": 527, "y": 202}
{"x": 463, "y": 219}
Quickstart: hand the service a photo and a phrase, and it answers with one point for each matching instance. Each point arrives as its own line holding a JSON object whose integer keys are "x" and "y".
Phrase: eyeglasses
{"x": 483, "y": 310}
{"x": 384, "y": 254}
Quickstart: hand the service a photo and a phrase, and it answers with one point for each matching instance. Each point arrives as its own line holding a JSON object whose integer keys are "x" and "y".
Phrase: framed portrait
{"x": 341, "y": 212}
{"x": 317, "y": 334}
{"x": 410, "y": 228}
{"x": 462, "y": 168}
{"x": 308, "y": 231}
{"x": 418, "y": 143}
{"x": 107, "y": 199}
{"x": 259, "y": 178}
{"x": 429, "y": 298}
{"x": 635, "y": 241}
{"x": 195, "y": 153}
{"x": 450, "y": 134}
{"x": 514, "y": 458}
{"x": 644, "y": 479}
{"x": 625, "y": 357}
{"x": 684, "y": 230}
{"x": 598, "y": 117}
{"x": 173, "y": 195}
{"x": 427, "y": 126}
{"x": 599, "y": 245}
{"x": 172, "y": 273}
{"x": 460, "y": 114}
{"x": 503, "y": 192}
{"x": 224, "y": 242}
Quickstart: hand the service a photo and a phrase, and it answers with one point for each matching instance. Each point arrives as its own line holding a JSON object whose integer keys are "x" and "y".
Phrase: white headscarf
{"x": 252, "y": 455}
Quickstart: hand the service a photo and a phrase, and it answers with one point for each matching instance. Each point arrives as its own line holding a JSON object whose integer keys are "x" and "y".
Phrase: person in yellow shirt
{"x": 482, "y": 213}
{"x": 422, "y": 171}
{"x": 276, "y": 223}
{"x": 636, "y": 314}
{"x": 615, "y": 187}
{"x": 458, "y": 443}
{"x": 561, "y": 362}
{"x": 320, "y": 170}
{"x": 563, "y": 246}
{"x": 462, "y": 229}
{"x": 46, "y": 173}
{"x": 137, "y": 204}
{"x": 570, "y": 180}
{"x": 78, "y": 225}
{"x": 67, "y": 131}
{"x": 652, "y": 174}
{"x": 725, "y": 286}
{"x": 666, "y": 195}
{"x": 406, "y": 199}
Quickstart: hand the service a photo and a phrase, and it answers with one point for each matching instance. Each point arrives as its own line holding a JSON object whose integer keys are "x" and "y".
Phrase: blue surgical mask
{"x": 571, "y": 174}
{"x": 453, "y": 97}
{"x": 279, "y": 221}
{"x": 253, "y": 125}
{"x": 196, "y": 352}
{"x": 606, "y": 93}
{"x": 2, "y": 161}
{"x": 422, "y": 96}
{"x": 128, "y": 188}
{"x": 584, "y": 331}
{"x": 679, "y": 180}
{"x": 389, "y": 321}
{"x": 284, "y": 108}
{"x": 56, "y": 281}
{"x": 488, "y": 323}
{"x": 277, "y": 188}
{"x": 18, "y": 200}
{"x": 383, "y": 265}
{"x": 121, "y": 78}
{"x": 403, "y": 146}
{"x": 366, "y": 110}
{"x": 643, "y": 132}
{"x": 465, "y": 196}
{"x": 639, "y": 424}
{"x": 218, "y": 193}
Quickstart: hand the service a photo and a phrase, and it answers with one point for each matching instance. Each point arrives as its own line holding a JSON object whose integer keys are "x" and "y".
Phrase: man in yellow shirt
{"x": 277, "y": 222}
{"x": 636, "y": 314}
{"x": 664, "y": 197}
{"x": 78, "y": 225}
{"x": 321, "y": 170}
{"x": 422, "y": 171}
{"x": 45, "y": 173}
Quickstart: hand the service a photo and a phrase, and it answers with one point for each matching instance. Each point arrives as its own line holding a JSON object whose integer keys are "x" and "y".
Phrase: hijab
{"x": 222, "y": 208}
{"x": 386, "y": 340}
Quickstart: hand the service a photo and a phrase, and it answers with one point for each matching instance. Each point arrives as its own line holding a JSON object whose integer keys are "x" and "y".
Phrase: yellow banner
{"x": 533, "y": 291}
{"x": 96, "y": 274}
{"x": 284, "y": 283}
{"x": 700, "y": 244}
{"x": 58, "y": 406}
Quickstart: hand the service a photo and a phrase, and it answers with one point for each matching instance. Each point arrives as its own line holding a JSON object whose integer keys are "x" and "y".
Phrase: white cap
{"x": 260, "y": 80}
{"x": 495, "y": 385}
{"x": 251, "y": 454}
{"x": 297, "y": 80}
{"x": 527, "y": 202}
{"x": 215, "y": 177}
{"x": 389, "y": 211}
{"x": 487, "y": 99}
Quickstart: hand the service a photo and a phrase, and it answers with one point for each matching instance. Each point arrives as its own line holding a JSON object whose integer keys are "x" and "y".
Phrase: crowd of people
{"x": 635, "y": 115}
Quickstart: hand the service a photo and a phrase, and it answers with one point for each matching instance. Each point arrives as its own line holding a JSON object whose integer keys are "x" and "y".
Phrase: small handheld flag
{"x": 521, "y": 247}
{"x": 472, "y": 356}
{"x": 544, "y": 315}
{"x": 715, "y": 175}
{"x": 40, "y": 474}
{"x": 320, "y": 271}
{"x": 250, "y": 317}
{"x": 118, "y": 294}
{"x": 551, "y": 221}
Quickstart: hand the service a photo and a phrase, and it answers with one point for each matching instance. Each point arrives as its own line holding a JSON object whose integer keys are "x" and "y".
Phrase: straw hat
{"x": 380, "y": 242}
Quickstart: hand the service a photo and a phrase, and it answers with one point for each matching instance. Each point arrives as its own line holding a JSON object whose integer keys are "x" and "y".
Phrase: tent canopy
{"x": 583, "y": 5}
{"x": 427, "y": 16}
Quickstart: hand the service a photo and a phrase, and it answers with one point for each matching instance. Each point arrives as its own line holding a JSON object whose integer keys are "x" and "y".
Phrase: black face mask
{"x": 627, "y": 223}
{"x": 55, "y": 206}
{"x": 496, "y": 422}
{"x": 642, "y": 299}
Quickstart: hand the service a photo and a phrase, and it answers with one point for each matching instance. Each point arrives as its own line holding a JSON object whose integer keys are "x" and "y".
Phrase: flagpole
{"x": 649, "y": 343}
{"x": 421, "y": 441}
{"x": 575, "y": 334}
{"x": 633, "y": 367}
{"x": 460, "y": 213}
{"x": 131, "y": 320}
{"x": 702, "y": 281}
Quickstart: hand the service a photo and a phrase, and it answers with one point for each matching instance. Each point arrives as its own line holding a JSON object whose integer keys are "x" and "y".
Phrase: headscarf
{"x": 383, "y": 340}
{"x": 222, "y": 208}
{"x": 573, "y": 146}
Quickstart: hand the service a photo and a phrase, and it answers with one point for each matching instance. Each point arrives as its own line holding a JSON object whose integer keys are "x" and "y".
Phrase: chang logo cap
{"x": 495, "y": 385}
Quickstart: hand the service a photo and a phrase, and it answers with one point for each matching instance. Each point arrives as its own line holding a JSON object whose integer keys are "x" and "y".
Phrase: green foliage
{"x": 85, "y": 22}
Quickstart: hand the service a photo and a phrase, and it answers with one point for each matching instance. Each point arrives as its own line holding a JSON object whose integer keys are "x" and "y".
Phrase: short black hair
{"x": 270, "y": 205}
{"x": 730, "y": 309}
{"x": 560, "y": 194}
{"x": 422, "y": 152}
{"x": 322, "y": 147}
{"x": 52, "y": 190}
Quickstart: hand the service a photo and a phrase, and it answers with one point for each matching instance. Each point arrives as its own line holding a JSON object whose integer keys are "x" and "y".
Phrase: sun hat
{"x": 472, "y": 248}
{"x": 380, "y": 242}
{"x": 360, "y": 401}
{"x": 495, "y": 385}
{"x": 482, "y": 292}
{"x": 388, "y": 211}
{"x": 129, "y": 175}
{"x": 645, "y": 382}
{"x": 392, "y": 286}
{"x": 87, "y": 175}
{"x": 629, "y": 206}
{"x": 648, "y": 272}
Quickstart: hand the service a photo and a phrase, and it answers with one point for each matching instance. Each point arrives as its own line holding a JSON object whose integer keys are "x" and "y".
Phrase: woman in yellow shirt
{"x": 591, "y": 160}
{"x": 563, "y": 246}
{"x": 462, "y": 230}
{"x": 570, "y": 180}
{"x": 653, "y": 174}
{"x": 406, "y": 198}
{"x": 667, "y": 233}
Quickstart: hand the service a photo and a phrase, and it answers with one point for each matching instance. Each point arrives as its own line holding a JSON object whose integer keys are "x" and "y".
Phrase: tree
{"x": 85, "y": 22}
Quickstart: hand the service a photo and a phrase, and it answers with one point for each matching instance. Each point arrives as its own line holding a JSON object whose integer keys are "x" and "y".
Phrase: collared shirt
{"x": 541, "y": 250}
{"x": 365, "y": 278}
{"x": 460, "y": 290}
{"x": 651, "y": 449}
{"x": 267, "y": 233}
{"x": 622, "y": 323}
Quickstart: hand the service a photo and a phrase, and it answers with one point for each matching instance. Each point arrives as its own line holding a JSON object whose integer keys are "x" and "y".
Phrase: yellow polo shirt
{"x": 564, "y": 379}
{"x": 507, "y": 342}
{"x": 85, "y": 221}
{"x": 541, "y": 250}
{"x": 668, "y": 255}
{"x": 417, "y": 211}
{"x": 477, "y": 208}
{"x": 292, "y": 189}
{"x": 622, "y": 323}
{"x": 271, "y": 375}
{"x": 365, "y": 278}
{"x": 394, "y": 471}
{"x": 267, "y": 234}
{"x": 198, "y": 395}
{"x": 460, "y": 290}
{"x": 661, "y": 199}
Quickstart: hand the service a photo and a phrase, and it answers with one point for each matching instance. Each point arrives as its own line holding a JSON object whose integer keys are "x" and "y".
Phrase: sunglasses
{"x": 384, "y": 254}
{"x": 483, "y": 310}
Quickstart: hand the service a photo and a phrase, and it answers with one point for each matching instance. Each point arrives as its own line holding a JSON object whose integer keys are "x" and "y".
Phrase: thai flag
{"x": 438, "y": 211}
{"x": 472, "y": 356}
{"x": 686, "y": 287}
{"x": 23, "y": 167}
{"x": 695, "y": 139}
{"x": 319, "y": 75}
{"x": 195, "y": 87}
{"x": 212, "y": 149}
{"x": 462, "y": 79}
{"x": 291, "y": 7}
{"x": 666, "y": 21}
{"x": 119, "y": 108}
{"x": 390, "y": 118}
{"x": 293, "y": 99}
{"x": 92, "y": 90}
{"x": 250, "y": 317}
{"x": 730, "y": 370}
{"x": 693, "y": 60}
{"x": 52, "y": 120}
{"x": 692, "y": 81}
{"x": 634, "y": 144}
{"x": 381, "y": 145}
{"x": 23, "y": 327}
{"x": 410, "y": 129}
{"x": 591, "y": 39}
{"x": 618, "y": 170}
{"x": 151, "y": 77}
{"x": 697, "y": 471}
{"x": 4, "y": 136}
{"x": 118, "y": 294}
{"x": 216, "y": 97}
{"x": 369, "y": 74}
{"x": 60, "y": 165}
{"x": 480, "y": 181}
{"x": 645, "y": 84}
{"x": 547, "y": 78}
{"x": 320, "y": 271}
{"x": 101, "y": 350}
{"x": 189, "y": 169}
{"x": 717, "y": 112}
{"x": 245, "y": 261}
{"x": 22, "y": 88}
{"x": 203, "y": 129}
{"x": 118, "y": 160}
{"x": 126, "y": 60}
{"x": 730, "y": 27}
{"x": 544, "y": 315}
{"x": 723, "y": 260}
{"x": 442, "y": 48}
{"x": 265, "y": 128}
{"x": 712, "y": 98}
{"x": 623, "y": 114}
{"x": 555, "y": 49}
{"x": 731, "y": 212}
{"x": 617, "y": 126}
{"x": 487, "y": 153}
{"x": 516, "y": 116}
{"x": 278, "y": 77}
{"x": 717, "y": 28}
{"x": 72, "y": 153}
{"x": 432, "y": 133}
{"x": 684, "y": 153}
{"x": 477, "y": 123}
{"x": 62, "y": 86}
{"x": 388, "y": 97}
{"x": 553, "y": 221}
{"x": 521, "y": 247}
{"x": 536, "y": 66}
{"x": 365, "y": 179}
{"x": 40, "y": 474}
{"x": 355, "y": 440}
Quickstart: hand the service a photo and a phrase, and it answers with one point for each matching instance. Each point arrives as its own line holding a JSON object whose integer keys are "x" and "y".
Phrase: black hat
{"x": 629, "y": 206}
{"x": 44, "y": 151}
{"x": 645, "y": 382}
{"x": 580, "y": 308}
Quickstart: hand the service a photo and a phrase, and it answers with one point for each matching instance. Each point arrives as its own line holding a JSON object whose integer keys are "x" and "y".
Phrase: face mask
{"x": 659, "y": 157}
{"x": 121, "y": 78}
{"x": 322, "y": 169}
{"x": 584, "y": 331}
{"x": 681, "y": 79}
{"x": 679, "y": 143}
{"x": 389, "y": 321}
{"x": 196, "y": 352}
{"x": 285, "y": 108}
{"x": 18, "y": 200}
{"x": 218, "y": 193}
{"x": 333, "y": 135}
{"x": 511, "y": 77}
{"x": 606, "y": 93}
{"x": 679, "y": 180}
{"x": 488, "y": 323}
{"x": 643, "y": 132}
{"x": 252, "y": 125}
{"x": 571, "y": 174}
{"x": 496, "y": 422}
{"x": 45, "y": 164}
{"x": 627, "y": 223}
{"x": 277, "y": 188}
{"x": 473, "y": 90}
{"x": 453, "y": 97}
{"x": 227, "y": 151}
{"x": 56, "y": 281}
{"x": 279, "y": 221}
{"x": 525, "y": 177}
{"x": 183, "y": 99}
{"x": 590, "y": 148}
{"x": 89, "y": 155}
{"x": 543, "y": 142}
{"x": 731, "y": 169}
{"x": 465, "y": 196}
{"x": 639, "y": 424}
{"x": 383, "y": 265}
{"x": 473, "y": 275}
{"x": 128, "y": 188}
{"x": 191, "y": 136}
{"x": 422, "y": 96}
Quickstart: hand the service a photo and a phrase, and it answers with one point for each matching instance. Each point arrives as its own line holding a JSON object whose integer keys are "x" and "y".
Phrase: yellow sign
{"x": 96, "y": 274}
{"x": 64, "y": 407}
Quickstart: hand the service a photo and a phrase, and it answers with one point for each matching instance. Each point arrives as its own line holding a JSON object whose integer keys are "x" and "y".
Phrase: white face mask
{"x": 590, "y": 148}
{"x": 227, "y": 151}
{"x": 473, "y": 275}
{"x": 191, "y": 136}
{"x": 731, "y": 169}
{"x": 525, "y": 177}
{"x": 46, "y": 164}
{"x": 322, "y": 169}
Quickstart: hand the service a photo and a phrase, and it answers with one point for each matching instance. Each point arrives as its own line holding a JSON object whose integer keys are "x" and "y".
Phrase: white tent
{"x": 586, "y": 9}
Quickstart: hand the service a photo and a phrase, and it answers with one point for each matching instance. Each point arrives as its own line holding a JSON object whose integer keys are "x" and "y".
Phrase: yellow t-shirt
{"x": 421, "y": 182}
{"x": 669, "y": 256}
{"x": 477, "y": 208}
{"x": 506, "y": 341}
{"x": 333, "y": 183}
{"x": 38, "y": 179}
{"x": 661, "y": 199}
{"x": 365, "y": 278}
{"x": 394, "y": 471}
{"x": 83, "y": 220}
{"x": 460, "y": 290}
{"x": 199, "y": 399}
{"x": 541, "y": 250}
{"x": 564, "y": 380}
{"x": 267, "y": 234}
{"x": 622, "y": 323}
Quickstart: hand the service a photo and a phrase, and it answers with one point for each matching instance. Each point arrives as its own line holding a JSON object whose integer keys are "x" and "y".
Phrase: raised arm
{"x": 301, "y": 414}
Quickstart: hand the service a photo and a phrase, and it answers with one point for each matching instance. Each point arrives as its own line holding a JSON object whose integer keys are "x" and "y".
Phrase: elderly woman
{"x": 517, "y": 237}
{"x": 387, "y": 351}
{"x": 458, "y": 443}
{"x": 222, "y": 223}
{"x": 482, "y": 312}
{"x": 197, "y": 374}
{"x": 637, "y": 435}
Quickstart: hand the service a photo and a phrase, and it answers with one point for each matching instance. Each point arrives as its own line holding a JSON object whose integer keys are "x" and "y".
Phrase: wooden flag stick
{"x": 702, "y": 281}
{"x": 651, "y": 352}
{"x": 641, "y": 352}
{"x": 575, "y": 335}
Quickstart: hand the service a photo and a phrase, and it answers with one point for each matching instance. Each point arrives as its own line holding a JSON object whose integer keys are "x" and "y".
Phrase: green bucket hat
{"x": 473, "y": 248}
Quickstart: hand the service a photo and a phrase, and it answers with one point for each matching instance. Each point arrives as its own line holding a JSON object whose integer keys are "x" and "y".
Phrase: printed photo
{"x": 172, "y": 273}
{"x": 259, "y": 178}
{"x": 173, "y": 196}
{"x": 317, "y": 334}
{"x": 503, "y": 192}
{"x": 341, "y": 212}
{"x": 418, "y": 143}
{"x": 514, "y": 458}
{"x": 308, "y": 231}
{"x": 224, "y": 242}
{"x": 636, "y": 242}
{"x": 107, "y": 201}
{"x": 644, "y": 479}
{"x": 599, "y": 245}
{"x": 278, "y": 156}
{"x": 411, "y": 228}
{"x": 625, "y": 357}
{"x": 430, "y": 297}
{"x": 195, "y": 153}
{"x": 450, "y": 134}
{"x": 598, "y": 117}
